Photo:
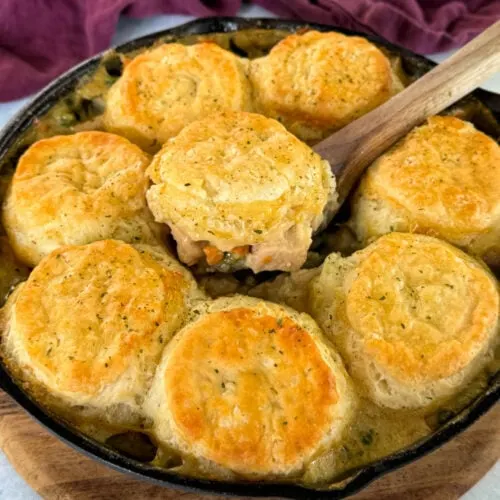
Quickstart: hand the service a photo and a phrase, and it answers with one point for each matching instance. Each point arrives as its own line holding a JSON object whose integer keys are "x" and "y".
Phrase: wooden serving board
{"x": 58, "y": 472}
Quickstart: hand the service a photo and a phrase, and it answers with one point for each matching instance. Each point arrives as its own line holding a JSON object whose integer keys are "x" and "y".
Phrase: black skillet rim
{"x": 37, "y": 107}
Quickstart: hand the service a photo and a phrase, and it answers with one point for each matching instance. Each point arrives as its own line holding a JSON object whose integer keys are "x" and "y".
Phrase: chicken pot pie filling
{"x": 368, "y": 432}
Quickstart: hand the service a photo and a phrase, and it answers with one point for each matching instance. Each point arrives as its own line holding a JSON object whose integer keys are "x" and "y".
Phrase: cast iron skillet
{"x": 358, "y": 479}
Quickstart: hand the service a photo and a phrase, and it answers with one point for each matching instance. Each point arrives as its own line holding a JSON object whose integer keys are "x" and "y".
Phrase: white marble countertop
{"x": 12, "y": 486}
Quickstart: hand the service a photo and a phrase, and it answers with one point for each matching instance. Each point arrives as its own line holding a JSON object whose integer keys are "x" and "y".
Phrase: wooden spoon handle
{"x": 353, "y": 148}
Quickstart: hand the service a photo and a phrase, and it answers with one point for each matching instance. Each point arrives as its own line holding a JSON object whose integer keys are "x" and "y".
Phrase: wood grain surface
{"x": 58, "y": 472}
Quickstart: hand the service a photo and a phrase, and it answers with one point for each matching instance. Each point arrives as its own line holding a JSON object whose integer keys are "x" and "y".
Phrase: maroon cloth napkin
{"x": 40, "y": 39}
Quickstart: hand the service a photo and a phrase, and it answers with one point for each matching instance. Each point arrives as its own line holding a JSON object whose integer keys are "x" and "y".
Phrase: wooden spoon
{"x": 354, "y": 147}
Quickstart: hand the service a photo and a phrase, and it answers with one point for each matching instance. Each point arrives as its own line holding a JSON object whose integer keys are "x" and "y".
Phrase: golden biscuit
{"x": 75, "y": 189}
{"x": 442, "y": 179}
{"x": 251, "y": 387}
{"x": 315, "y": 83}
{"x": 414, "y": 317}
{"x": 237, "y": 189}
{"x": 166, "y": 88}
{"x": 91, "y": 322}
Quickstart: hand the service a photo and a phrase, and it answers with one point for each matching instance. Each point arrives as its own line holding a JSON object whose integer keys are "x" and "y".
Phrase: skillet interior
{"x": 10, "y": 148}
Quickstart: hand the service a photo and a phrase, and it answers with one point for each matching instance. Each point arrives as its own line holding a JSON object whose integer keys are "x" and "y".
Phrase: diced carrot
{"x": 213, "y": 255}
{"x": 241, "y": 251}
{"x": 267, "y": 260}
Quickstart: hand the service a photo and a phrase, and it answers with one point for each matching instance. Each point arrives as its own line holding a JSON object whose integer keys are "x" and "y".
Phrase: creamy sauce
{"x": 12, "y": 272}
{"x": 374, "y": 432}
